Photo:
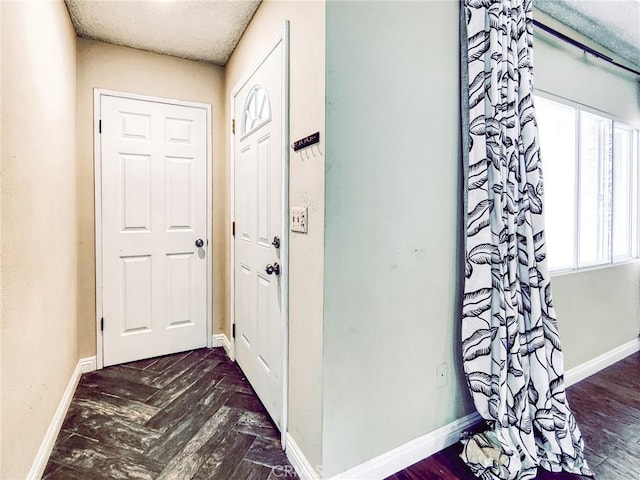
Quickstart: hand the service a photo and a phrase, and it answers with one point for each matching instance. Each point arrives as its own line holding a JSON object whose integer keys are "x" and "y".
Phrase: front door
{"x": 259, "y": 235}
{"x": 154, "y": 228}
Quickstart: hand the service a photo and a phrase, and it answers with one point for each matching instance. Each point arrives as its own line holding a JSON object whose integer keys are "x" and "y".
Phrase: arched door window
{"x": 257, "y": 110}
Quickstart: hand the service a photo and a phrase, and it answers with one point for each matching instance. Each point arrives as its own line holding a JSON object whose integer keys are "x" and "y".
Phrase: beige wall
{"x": 1, "y": 157}
{"x": 38, "y": 222}
{"x": 306, "y": 188}
{"x": 111, "y": 67}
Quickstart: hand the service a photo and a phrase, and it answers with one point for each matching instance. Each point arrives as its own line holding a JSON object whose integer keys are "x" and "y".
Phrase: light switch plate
{"x": 299, "y": 219}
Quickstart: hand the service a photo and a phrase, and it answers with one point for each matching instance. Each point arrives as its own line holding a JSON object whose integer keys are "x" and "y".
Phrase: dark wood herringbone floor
{"x": 194, "y": 416}
{"x": 607, "y": 408}
{"x": 188, "y": 416}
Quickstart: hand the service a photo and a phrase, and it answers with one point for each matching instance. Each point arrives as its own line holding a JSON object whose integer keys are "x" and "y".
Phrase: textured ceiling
{"x": 208, "y": 30}
{"x": 614, "y": 24}
{"x": 205, "y": 30}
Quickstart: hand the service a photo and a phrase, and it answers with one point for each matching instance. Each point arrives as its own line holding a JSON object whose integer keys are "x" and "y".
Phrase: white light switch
{"x": 299, "y": 219}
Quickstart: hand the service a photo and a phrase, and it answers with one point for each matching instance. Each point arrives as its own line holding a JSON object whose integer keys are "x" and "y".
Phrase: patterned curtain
{"x": 511, "y": 349}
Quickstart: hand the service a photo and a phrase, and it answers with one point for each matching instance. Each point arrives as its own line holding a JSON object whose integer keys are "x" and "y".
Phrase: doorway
{"x": 260, "y": 152}
{"x": 153, "y": 213}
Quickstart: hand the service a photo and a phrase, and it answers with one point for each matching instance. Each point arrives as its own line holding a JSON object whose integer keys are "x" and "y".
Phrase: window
{"x": 590, "y": 185}
{"x": 257, "y": 110}
{"x": 594, "y": 173}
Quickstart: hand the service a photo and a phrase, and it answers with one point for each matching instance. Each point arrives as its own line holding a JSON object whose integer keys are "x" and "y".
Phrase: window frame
{"x": 634, "y": 183}
{"x": 616, "y": 122}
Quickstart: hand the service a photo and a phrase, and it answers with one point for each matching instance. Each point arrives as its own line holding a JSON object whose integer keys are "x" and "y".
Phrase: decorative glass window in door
{"x": 257, "y": 110}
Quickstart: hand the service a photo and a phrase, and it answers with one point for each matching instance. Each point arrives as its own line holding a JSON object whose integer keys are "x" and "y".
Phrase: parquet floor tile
{"x": 193, "y": 416}
{"x": 187, "y": 416}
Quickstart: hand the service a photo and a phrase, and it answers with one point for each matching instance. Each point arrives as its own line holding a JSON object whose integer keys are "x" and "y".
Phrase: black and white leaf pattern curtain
{"x": 511, "y": 349}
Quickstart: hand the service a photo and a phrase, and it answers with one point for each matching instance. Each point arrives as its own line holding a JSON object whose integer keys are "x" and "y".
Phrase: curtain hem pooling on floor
{"x": 511, "y": 348}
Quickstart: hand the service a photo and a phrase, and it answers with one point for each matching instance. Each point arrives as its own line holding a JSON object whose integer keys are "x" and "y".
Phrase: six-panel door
{"x": 154, "y": 207}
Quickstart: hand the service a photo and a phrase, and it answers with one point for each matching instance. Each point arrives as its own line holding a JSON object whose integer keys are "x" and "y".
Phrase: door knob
{"x": 271, "y": 269}
{"x": 199, "y": 243}
{"x": 276, "y": 242}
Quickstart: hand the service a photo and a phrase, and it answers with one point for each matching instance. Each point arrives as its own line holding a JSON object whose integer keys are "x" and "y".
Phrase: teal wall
{"x": 393, "y": 203}
{"x": 391, "y": 227}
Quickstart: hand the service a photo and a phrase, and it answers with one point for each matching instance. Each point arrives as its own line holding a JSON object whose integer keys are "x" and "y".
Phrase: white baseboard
{"x": 379, "y": 467}
{"x": 574, "y": 375}
{"x": 412, "y": 452}
{"x": 303, "y": 468}
{"x": 87, "y": 364}
{"x": 42, "y": 457}
{"x": 221, "y": 340}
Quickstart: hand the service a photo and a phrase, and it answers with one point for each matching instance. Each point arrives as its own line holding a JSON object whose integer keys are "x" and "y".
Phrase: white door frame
{"x": 281, "y": 36}
{"x": 98, "y": 93}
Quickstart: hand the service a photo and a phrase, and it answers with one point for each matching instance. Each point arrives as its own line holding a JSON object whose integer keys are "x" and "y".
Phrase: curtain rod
{"x": 582, "y": 46}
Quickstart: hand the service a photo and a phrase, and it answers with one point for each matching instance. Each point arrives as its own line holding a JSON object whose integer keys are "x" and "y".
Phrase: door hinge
{"x": 233, "y": 331}
{"x": 233, "y": 126}
{"x": 102, "y": 324}
{"x": 99, "y": 126}
{"x": 233, "y": 228}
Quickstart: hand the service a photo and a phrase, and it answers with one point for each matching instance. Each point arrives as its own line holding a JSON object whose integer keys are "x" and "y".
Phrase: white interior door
{"x": 154, "y": 228}
{"x": 259, "y": 287}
